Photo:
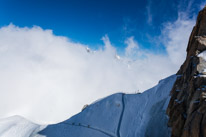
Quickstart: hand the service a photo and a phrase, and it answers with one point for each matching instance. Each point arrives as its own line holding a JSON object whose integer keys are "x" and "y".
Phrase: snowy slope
{"x": 17, "y": 126}
{"x": 119, "y": 115}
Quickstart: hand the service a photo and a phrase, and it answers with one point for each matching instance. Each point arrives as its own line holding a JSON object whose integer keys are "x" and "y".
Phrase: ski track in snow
{"x": 99, "y": 130}
{"x": 121, "y": 116}
{"x": 105, "y": 132}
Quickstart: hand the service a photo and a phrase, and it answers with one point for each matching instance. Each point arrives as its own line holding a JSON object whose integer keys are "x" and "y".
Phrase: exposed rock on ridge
{"x": 187, "y": 107}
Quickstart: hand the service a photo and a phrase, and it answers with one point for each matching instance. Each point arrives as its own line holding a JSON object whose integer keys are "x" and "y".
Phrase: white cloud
{"x": 175, "y": 36}
{"x": 48, "y": 78}
{"x": 148, "y": 12}
{"x": 132, "y": 46}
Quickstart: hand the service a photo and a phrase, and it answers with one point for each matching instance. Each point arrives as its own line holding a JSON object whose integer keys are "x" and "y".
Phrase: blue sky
{"x": 137, "y": 43}
{"x": 87, "y": 21}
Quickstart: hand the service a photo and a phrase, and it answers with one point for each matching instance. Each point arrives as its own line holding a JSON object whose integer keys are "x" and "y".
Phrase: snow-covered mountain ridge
{"x": 118, "y": 115}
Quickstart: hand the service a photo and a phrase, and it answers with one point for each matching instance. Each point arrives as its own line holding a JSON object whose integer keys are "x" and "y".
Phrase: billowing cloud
{"x": 148, "y": 12}
{"x": 132, "y": 46}
{"x": 48, "y": 78}
{"x": 175, "y": 36}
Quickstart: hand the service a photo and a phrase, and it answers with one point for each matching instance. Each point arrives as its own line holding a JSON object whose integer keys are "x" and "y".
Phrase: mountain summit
{"x": 187, "y": 107}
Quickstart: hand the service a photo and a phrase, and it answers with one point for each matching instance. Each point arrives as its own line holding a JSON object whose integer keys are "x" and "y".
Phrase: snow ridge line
{"x": 93, "y": 128}
{"x": 121, "y": 116}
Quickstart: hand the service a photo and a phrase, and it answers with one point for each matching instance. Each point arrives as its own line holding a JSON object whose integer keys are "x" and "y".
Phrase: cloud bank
{"x": 48, "y": 78}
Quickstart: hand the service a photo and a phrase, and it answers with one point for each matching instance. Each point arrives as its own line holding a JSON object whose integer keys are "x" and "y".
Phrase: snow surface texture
{"x": 118, "y": 115}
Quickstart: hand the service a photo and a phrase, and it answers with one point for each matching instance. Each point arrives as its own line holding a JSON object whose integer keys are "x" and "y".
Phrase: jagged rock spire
{"x": 187, "y": 107}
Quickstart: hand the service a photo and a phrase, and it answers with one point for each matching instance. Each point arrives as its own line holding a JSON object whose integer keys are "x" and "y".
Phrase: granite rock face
{"x": 187, "y": 107}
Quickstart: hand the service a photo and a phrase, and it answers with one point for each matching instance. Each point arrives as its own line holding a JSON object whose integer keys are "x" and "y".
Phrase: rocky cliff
{"x": 187, "y": 107}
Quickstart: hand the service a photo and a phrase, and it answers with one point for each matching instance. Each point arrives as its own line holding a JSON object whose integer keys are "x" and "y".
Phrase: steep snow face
{"x": 118, "y": 115}
{"x": 145, "y": 114}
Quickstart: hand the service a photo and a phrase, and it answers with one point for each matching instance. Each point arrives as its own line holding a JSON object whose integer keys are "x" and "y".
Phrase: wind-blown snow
{"x": 48, "y": 78}
{"x": 175, "y": 36}
{"x": 118, "y": 115}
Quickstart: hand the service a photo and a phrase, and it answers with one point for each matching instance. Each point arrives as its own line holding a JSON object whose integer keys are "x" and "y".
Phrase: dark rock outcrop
{"x": 187, "y": 107}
